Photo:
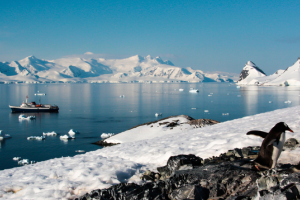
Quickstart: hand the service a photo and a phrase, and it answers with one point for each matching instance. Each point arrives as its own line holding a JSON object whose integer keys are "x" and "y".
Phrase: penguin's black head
{"x": 281, "y": 126}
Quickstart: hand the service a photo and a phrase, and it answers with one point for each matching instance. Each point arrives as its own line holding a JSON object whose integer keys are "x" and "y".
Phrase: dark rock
{"x": 103, "y": 143}
{"x": 221, "y": 180}
{"x": 199, "y": 123}
{"x": 129, "y": 191}
{"x": 291, "y": 144}
{"x": 179, "y": 162}
{"x": 215, "y": 178}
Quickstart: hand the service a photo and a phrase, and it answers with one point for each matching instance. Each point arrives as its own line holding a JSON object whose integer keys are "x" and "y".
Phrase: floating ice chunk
{"x": 181, "y": 89}
{"x": 73, "y": 132}
{"x": 225, "y": 113}
{"x": 209, "y": 95}
{"x": 4, "y": 136}
{"x": 24, "y": 117}
{"x": 194, "y": 108}
{"x": 270, "y": 101}
{"x": 192, "y": 90}
{"x": 106, "y": 135}
{"x": 122, "y": 96}
{"x": 23, "y": 162}
{"x": 53, "y": 133}
{"x": 40, "y": 94}
{"x": 288, "y": 102}
{"x": 80, "y": 151}
{"x": 206, "y": 111}
{"x": 239, "y": 95}
{"x": 36, "y": 138}
{"x": 66, "y": 137}
{"x": 238, "y": 86}
{"x": 158, "y": 114}
{"x": 16, "y": 158}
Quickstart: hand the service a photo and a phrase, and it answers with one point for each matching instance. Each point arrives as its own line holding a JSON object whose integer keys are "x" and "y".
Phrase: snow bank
{"x": 106, "y": 135}
{"x": 67, "y": 177}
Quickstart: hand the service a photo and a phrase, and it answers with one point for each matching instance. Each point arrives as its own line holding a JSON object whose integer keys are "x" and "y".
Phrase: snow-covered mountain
{"x": 252, "y": 75}
{"x": 76, "y": 69}
{"x": 249, "y": 73}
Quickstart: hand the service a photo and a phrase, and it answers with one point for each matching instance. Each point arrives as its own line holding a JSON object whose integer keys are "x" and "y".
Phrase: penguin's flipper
{"x": 271, "y": 142}
{"x": 258, "y": 133}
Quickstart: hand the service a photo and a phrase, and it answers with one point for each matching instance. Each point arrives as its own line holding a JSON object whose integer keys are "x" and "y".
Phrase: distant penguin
{"x": 271, "y": 146}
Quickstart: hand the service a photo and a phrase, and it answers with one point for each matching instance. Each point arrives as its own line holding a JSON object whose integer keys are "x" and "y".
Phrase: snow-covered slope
{"x": 76, "y": 69}
{"x": 250, "y": 72}
{"x": 68, "y": 177}
{"x": 291, "y": 76}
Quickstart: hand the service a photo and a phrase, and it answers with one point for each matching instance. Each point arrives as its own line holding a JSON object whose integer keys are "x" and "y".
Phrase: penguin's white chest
{"x": 277, "y": 148}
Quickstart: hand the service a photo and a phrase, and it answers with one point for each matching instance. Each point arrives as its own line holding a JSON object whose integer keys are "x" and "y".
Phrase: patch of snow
{"x": 106, "y": 135}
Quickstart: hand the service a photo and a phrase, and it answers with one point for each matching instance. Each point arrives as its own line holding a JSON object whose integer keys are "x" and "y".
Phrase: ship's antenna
{"x": 26, "y": 98}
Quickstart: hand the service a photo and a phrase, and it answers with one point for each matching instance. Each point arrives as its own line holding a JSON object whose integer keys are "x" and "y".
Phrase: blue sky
{"x": 207, "y": 35}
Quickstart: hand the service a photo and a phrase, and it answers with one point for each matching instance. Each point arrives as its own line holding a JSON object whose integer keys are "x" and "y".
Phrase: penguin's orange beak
{"x": 290, "y": 130}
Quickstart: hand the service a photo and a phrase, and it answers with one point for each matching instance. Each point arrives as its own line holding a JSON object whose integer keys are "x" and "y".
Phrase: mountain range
{"x": 253, "y": 75}
{"x": 100, "y": 70}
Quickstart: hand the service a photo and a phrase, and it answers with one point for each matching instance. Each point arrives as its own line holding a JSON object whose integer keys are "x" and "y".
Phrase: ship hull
{"x": 20, "y": 110}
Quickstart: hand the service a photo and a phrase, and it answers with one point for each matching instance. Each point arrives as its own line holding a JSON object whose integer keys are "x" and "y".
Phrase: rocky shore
{"x": 230, "y": 176}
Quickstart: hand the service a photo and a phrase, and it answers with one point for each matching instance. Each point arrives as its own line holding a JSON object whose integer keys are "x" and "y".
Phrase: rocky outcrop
{"x": 168, "y": 123}
{"x": 230, "y": 176}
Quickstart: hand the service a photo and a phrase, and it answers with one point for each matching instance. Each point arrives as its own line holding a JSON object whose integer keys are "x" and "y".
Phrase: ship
{"x": 33, "y": 107}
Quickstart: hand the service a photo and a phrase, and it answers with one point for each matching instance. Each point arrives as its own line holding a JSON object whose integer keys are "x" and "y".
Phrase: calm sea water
{"x": 93, "y": 109}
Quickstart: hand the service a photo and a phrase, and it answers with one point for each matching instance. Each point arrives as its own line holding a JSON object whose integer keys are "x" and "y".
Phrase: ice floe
{"x": 21, "y": 117}
{"x": 16, "y": 158}
{"x": 80, "y": 151}
{"x": 53, "y": 133}
{"x": 5, "y": 136}
{"x": 66, "y": 137}
{"x": 158, "y": 114}
{"x": 36, "y": 138}
{"x": 73, "y": 132}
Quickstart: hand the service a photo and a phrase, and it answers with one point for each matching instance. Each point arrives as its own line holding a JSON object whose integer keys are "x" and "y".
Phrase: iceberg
{"x": 36, "y": 138}
{"x": 4, "y": 136}
{"x": 21, "y": 117}
{"x": 16, "y": 158}
{"x": 158, "y": 114}
{"x": 73, "y": 132}
{"x": 181, "y": 89}
{"x": 53, "y": 133}
{"x": 23, "y": 162}
{"x": 66, "y": 137}
{"x": 192, "y": 90}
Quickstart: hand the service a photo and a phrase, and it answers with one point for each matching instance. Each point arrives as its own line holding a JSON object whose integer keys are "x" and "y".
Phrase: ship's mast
{"x": 26, "y": 98}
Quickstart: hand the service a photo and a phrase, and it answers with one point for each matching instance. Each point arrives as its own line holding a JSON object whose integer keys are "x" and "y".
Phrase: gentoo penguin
{"x": 271, "y": 146}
